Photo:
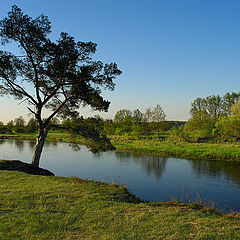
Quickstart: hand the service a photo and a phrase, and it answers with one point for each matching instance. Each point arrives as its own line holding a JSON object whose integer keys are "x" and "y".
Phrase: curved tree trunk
{"x": 42, "y": 134}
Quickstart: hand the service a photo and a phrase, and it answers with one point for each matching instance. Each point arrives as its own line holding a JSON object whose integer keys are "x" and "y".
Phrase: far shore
{"x": 201, "y": 151}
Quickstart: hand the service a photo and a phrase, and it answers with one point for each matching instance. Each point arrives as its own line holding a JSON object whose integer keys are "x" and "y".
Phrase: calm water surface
{"x": 150, "y": 178}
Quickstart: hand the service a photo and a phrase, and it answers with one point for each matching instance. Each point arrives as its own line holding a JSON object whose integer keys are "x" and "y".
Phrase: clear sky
{"x": 170, "y": 51}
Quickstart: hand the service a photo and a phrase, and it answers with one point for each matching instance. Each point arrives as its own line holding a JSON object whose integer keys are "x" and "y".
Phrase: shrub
{"x": 228, "y": 128}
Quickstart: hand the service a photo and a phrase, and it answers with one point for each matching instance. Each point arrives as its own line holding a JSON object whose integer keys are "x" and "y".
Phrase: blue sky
{"x": 170, "y": 51}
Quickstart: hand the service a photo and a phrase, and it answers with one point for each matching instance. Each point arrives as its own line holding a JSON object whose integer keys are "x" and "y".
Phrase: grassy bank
{"x": 40, "y": 207}
{"x": 205, "y": 151}
{"x": 52, "y": 136}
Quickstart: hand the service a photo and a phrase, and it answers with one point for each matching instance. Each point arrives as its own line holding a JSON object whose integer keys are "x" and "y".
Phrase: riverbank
{"x": 202, "y": 151}
{"x": 16, "y": 165}
{"x": 41, "y": 207}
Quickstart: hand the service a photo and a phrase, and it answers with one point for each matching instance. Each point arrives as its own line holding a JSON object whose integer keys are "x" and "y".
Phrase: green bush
{"x": 19, "y": 130}
{"x": 228, "y": 128}
{"x": 177, "y": 134}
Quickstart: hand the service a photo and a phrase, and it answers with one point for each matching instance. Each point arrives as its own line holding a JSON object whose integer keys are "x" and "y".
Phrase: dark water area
{"x": 151, "y": 178}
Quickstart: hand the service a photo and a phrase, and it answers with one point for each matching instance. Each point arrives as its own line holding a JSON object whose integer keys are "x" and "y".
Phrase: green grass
{"x": 52, "y": 136}
{"x": 205, "y": 151}
{"x": 40, "y": 207}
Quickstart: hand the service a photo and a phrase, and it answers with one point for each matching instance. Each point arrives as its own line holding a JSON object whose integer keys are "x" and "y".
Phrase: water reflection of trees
{"x": 151, "y": 164}
{"x": 2, "y": 141}
{"x": 20, "y": 145}
{"x": 31, "y": 144}
{"x": 217, "y": 169}
{"x": 50, "y": 144}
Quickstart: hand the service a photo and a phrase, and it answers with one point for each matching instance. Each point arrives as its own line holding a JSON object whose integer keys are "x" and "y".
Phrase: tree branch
{"x": 18, "y": 88}
{"x": 35, "y": 71}
{"x": 94, "y": 140}
{"x": 56, "y": 111}
{"x": 51, "y": 94}
{"x": 31, "y": 110}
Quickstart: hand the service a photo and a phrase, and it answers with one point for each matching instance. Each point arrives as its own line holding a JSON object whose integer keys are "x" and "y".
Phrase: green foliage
{"x": 123, "y": 120}
{"x": 90, "y": 131}
{"x": 125, "y": 126}
{"x": 228, "y": 128}
{"x": 229, "y": 99}
{"x": 209, "y": 108}
{"x": 158, "y": 114}
{"x": 212, "y": 107}
{"x": 62, "y": 73}
{"x": 138, "y": 130}
{"x": 110, "y": 127}
{"x": 3, "y": 129}
{"x": 148, "y": 115}
{"x": 177, "y": 135}
{"x": 199, "y": 131}
{"x": 19, "y": 122}
{"x": 137, "y": 116}
{"x": 31, "y": 125}
{"x": 62, "y": 69}
{"x": 10, "y": 125}
{"x": 235, "y": 109}
{"x": 19, "y": 130}
{"x": 137, "y": 124}
{"x": 122, "y": 114}
{"x": 210, "y": 114}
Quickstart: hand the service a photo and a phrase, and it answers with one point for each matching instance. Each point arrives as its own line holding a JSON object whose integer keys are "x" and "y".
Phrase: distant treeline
{"x": 126, "y": 123}
{"x": 213, "y": 118}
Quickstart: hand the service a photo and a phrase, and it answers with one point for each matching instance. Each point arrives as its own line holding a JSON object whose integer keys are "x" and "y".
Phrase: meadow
{"x": 204, "y": 151}
{"x": 41, "y": 207}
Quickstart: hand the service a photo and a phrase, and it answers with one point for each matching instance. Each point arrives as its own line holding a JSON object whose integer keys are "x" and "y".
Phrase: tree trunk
{"x": 42, "y": 134}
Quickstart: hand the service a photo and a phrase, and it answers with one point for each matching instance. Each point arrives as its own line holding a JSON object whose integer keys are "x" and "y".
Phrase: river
{"x": 151, "y": 178}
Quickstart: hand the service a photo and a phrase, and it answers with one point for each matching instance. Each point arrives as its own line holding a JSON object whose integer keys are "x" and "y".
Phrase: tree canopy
{"x": 212, "y": 107}
{"x": 62, "y": 72}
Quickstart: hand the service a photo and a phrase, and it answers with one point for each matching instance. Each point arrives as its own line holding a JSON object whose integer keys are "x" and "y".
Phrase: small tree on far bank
{"x": 62, "y": 74}
{"x": 158, "y": 116}
{"x": 31, "y": 125}
{"x": 10, "y": 126}
{"x": 148, "y": 115}
{"x": 137, "y": 116}
{"x": 122, "y": 115}
{"x": 19, "y": 124}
